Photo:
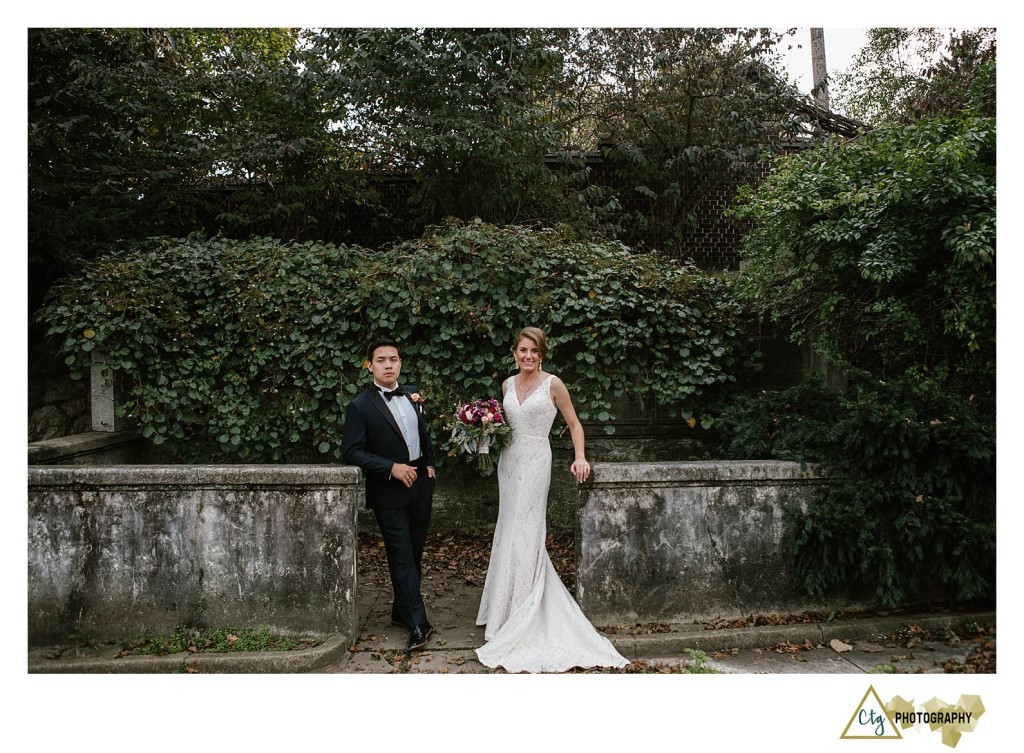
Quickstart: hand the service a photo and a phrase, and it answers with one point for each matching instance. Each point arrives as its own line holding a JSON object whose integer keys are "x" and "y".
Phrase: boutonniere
{"x": 417, "y": 400}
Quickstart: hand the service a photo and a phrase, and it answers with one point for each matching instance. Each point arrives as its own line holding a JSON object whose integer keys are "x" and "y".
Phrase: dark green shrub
{"x": 880, "y": 252}
{"x": 910, "y": 511}
{"x": 882, "y": 249}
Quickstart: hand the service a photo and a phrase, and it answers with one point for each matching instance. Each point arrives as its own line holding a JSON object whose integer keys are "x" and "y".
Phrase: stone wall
{"x": 660, "y": 542}
{"x": 466, "y": 501}
{"x": 114, "y": 550}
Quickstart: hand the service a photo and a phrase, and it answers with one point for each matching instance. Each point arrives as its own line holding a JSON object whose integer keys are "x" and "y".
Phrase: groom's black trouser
{"x": 405, "y": 533}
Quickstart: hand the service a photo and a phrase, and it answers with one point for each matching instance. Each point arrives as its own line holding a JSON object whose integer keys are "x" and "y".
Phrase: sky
{"x": 841, "y": 44}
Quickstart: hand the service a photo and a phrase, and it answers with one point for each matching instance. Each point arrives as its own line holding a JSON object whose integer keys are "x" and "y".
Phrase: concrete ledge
{"x": 684, "y": 541}
{"x": 92, "y": 446}
{"x": 703, "y": 473}
{"x": 196, "y": 476}
{"x": 331, "y": 651}
{"x": 115, "y": 550}
{"x": 334, "y": 650}
{"x": 677, "y": 642}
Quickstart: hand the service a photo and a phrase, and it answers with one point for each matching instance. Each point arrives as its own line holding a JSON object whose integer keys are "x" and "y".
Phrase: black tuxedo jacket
{"x": 372, "y": 440}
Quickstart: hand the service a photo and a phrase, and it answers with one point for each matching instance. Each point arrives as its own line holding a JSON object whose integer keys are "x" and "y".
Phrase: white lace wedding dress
{"x": 533, "y": 622}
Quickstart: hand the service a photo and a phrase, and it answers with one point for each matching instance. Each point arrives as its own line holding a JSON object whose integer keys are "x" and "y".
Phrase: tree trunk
{"x": 820, "y": 90}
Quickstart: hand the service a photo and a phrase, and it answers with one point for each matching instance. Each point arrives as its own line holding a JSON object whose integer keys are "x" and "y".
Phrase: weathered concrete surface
{"x": 113, "y": 550}
{"x": 463, "y": 499}
{"x": 90, "y": 448}
{"x": 690, "y": 540}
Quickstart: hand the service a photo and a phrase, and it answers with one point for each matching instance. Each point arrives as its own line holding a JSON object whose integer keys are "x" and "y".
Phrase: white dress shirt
{"x": 401, "y": 408}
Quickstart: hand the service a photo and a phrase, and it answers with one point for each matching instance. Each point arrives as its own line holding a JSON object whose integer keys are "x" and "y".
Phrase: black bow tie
{"x": 394, "y": 393}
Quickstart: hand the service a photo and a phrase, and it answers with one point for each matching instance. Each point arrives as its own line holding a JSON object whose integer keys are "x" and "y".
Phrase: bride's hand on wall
{"x": 581, "y": 470}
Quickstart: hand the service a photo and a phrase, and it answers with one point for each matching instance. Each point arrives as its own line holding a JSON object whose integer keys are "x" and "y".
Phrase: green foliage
{"x": 678, "y": 111}
{"x": 886, "y": 74}
{"x": 700, "y": 661}
{"x": 250, "y": 351}
{"x": 964, "y": 78}
{"x": 139, "y": 132}
{"x": 192, "y": 640}
{"x": 469, "y": 111}
{"x": 881, "y": 252}
{"x": 793, "y": 424}
{"x": 882, "y": 249}
{"x": 910, "y": 507}
{"x": 904, "y": 74}
{"x": 280, "y": 132}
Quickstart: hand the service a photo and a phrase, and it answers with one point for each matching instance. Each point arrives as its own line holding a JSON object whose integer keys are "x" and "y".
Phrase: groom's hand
{"x": 404, "y": 473}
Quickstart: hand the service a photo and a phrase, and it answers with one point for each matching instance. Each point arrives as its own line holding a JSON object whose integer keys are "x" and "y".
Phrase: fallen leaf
{"x": 790, "y": 648}
{"x": 839, "y": 647}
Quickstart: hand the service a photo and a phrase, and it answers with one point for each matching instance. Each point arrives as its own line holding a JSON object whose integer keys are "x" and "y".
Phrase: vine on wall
{"x": 250, "y": 350}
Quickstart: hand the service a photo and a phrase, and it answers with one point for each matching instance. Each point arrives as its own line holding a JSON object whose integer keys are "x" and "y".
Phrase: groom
{"x": 385, "y": 435}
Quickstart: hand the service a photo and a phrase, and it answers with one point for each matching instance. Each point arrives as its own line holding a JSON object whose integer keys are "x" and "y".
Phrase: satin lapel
{"x": 379, "y": 404}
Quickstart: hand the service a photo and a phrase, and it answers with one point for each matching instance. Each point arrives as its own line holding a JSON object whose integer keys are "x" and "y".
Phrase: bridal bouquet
{"x": 477, "y": 428}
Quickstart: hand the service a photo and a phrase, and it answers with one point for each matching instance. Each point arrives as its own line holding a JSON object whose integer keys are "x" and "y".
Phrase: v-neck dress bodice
{"x": 534, "y": 416}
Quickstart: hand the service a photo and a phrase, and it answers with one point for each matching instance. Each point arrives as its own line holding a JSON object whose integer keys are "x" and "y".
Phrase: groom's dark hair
{"x": 382, "y": 342}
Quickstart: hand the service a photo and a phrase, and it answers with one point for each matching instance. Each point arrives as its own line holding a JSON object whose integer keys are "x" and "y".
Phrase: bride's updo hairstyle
{"x": 537, "y": 335}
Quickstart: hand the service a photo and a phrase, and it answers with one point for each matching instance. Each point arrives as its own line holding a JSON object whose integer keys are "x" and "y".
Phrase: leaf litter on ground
{"x": 465, "y": 555}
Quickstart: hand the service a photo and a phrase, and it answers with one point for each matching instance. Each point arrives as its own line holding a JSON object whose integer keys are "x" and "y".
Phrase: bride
{"x": 533, "y": 622}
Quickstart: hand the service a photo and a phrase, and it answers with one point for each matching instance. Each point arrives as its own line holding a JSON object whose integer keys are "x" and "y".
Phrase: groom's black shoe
{"x": 419, "y": 634}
